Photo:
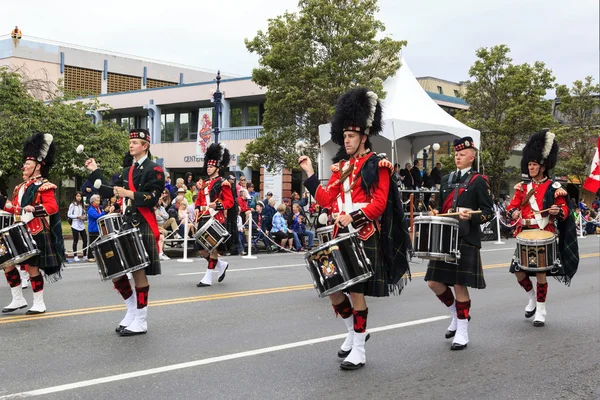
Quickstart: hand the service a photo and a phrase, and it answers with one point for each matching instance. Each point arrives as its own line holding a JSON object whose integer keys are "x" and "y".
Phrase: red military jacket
{"x": 349, "y": 196}
{"x": 528, "y": 217}
{"x": 44, "y": 202}
{"x": 216, "y": 190}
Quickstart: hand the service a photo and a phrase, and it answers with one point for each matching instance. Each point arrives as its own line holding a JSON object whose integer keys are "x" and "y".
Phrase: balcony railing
{"x": 242, "y": 133}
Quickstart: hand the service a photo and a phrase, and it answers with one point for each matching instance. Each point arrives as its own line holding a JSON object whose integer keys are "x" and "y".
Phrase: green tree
{"x": 579, "y": 111}
{"x": 21, "y": 114}
{"x": 307, "y": 60}
{"x": 507, "y": 105}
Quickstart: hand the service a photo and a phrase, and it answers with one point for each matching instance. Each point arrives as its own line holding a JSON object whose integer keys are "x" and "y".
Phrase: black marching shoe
{"x": 7, "y": 310}
{"x": 529, "y": 314}
{"x": 120, "y": 328}
{"x": 202, "y": 284}
{"x": 450, "y": 334}
{"x": 456, "y": 346}
{"x": 348, "y": 366}
{"x": 344, "y": 354}
{"x": 220, "y": 279}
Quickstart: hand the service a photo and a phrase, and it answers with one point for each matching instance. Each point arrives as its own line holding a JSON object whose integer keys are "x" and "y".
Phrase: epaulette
{"x": 46, "y": 185}
{"x": 385, "y": 163}
{"x": 335, "y": 167}
{"x": 225, "y": 183}
{"x": 518, "y": 186}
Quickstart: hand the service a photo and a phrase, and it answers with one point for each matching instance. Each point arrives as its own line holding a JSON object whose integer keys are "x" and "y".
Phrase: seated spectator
{"x": 257, "y": 217}
{"x": 299, "y": 227}
{"x": 268, "y": 214}
{"x": 283, "y": 234}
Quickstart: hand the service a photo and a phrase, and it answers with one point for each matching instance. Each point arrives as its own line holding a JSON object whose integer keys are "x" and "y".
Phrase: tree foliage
{"x": 507, "y": 105}
{"x": 22, "y": 114}
{"x": 579, "y": 111}
{"x": 307, "y": 60}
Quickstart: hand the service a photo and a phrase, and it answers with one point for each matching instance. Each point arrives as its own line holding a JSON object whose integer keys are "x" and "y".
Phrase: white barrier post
{"x": 581, "y": 226}
{"x": 185, "y": 259}
{"x": 499, "y": 241}
{"x": 250, "y": 223}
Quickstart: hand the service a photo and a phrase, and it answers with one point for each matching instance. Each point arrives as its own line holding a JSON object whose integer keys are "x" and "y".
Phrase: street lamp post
{"x": 217, "y": 96}
{"x": 425, "y": 158}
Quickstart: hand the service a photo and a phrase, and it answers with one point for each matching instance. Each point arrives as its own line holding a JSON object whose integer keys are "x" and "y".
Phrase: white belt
{"x": 529, "y": 222}
{"x": 349, "y": 207}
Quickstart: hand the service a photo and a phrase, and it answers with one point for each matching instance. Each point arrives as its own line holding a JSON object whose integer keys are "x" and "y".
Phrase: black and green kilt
{"x": 377, "y": 285}
{"x": 48, "y": 259}
{"x": 150, "y": 246}
{"x": 468, "y": 271}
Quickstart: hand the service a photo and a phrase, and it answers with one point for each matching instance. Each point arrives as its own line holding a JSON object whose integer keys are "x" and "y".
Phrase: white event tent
{"x": 411, "y": 121}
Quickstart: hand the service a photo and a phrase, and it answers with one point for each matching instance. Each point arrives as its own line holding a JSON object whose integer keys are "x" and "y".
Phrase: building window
{"x": 235, "y": 119}
{"x": 123, "y": 83}
{"x": 82, "y": 81}
{"x": 167, "y": 128}
{"x": 184, "y": 127}
{"x": 155, "y": 83}
{"x": 194, "y": 125}
{"x": 440, "y": 90}
{"x": 456, "y": 93}
{"x": 253, "y": 116}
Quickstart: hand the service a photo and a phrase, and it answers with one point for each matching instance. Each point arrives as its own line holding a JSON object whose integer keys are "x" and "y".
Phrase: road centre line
{"x": 207, "y": 361}
{"x": 193, "y": 299}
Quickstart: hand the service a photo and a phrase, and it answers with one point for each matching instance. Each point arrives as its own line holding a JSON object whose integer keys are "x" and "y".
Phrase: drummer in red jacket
{"x": 34, "y": 202}
{"x": 215, "y": 196}
{"x": 364, "y": 192}
{"x": 540, "y": 155}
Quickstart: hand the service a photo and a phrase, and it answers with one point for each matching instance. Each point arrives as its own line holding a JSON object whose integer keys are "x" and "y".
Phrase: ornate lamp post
{"x": 217, "y": 97}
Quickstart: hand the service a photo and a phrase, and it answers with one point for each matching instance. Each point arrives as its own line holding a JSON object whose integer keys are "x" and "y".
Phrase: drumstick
{"x": 457, "y": 213}
{"x": 543, "y": 211}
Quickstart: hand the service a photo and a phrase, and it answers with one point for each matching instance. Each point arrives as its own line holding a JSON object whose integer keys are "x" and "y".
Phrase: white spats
{"x": 454, "y": 322}
{"x": 540, "y": 314}
{"x": 462, "y": 332}
{"x": 39, "y": 306}
{"x": 18, "y": 301}
{"x": 131, "y": 304}
{"x": 347, "y": 345}
{"x": 357, "y": 357}
{"x": 139, "y": 324}
{"x": 531, "y": 305}
{"x": 221, "y": 269}
{"x": 208, "y": 277}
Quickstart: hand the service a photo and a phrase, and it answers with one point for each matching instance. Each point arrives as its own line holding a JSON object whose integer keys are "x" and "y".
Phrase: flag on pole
{"x": 592, "y": 183}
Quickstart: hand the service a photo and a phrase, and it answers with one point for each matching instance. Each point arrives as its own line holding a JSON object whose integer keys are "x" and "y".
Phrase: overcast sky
{"x": 442, "y": 35}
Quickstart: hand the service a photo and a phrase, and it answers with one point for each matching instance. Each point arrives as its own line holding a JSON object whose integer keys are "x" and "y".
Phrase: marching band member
{"x": 214, "y": 198}
{"x": 34, "y": 202}
{"x": 364, "y": 193}
{"x": 461, "y": 191}
{"x": 140, "y": 185}
{"x": 540, "y": 155}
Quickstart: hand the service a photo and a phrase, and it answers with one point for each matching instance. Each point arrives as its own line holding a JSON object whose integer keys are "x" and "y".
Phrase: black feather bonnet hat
{"x": 542, "y": 149}
{"x": 40, "y": 148}
{"x": 357, "y": 110}
{"x": 216, "y": 155}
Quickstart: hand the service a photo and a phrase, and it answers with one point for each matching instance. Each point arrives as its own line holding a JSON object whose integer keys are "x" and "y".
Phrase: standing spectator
{"x": 254, "y": 195}
{"x": 301, "y": 202}
{"x": 77, "y": 217}
{"x": 189, "y": 179}
{"x": 87, "y": 190}
{"x": 436, "y": 175}
{"x": 427, "y": 185}
{"x": 416, "y": 174}
{"x": 94, "y": 212}
{"x": 268, "y": 198}
{"x": 406, "y": 177}
{"x": 178, "y": 184}
{"x": 397, "y": 170}
{"x": 257, "y": 217}
{"x": 241, "y": 184}
{"x": 168, "y": 185}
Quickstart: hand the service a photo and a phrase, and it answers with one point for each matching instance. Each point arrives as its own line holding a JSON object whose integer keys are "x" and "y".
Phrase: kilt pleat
{"x": 468, "y": 271}
{"x": 47, "y": 260}
{"x": 150, "y": 246}
{"x": 377, "y": 285}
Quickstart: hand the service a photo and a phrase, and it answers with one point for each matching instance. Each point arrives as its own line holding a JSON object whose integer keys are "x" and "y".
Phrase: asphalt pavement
{"x": 263, "y": 333}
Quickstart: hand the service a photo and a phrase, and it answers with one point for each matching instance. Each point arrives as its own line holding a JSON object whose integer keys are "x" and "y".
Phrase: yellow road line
{"x": 193, "y": 299}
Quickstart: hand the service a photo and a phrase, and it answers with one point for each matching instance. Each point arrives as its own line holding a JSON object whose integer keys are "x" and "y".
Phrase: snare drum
{"x": 325, "y": 234}
{"x": 119, "y": 253}
{"x": 6, "y": 219}
{"x": 110, "y": 223}
{"x": 536, "y": 251}
{"x": 436, "y": 238}
{"x": 16, "y": 245}
{"x": 211, "y": 233}
{"x": 338, "y": 264}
